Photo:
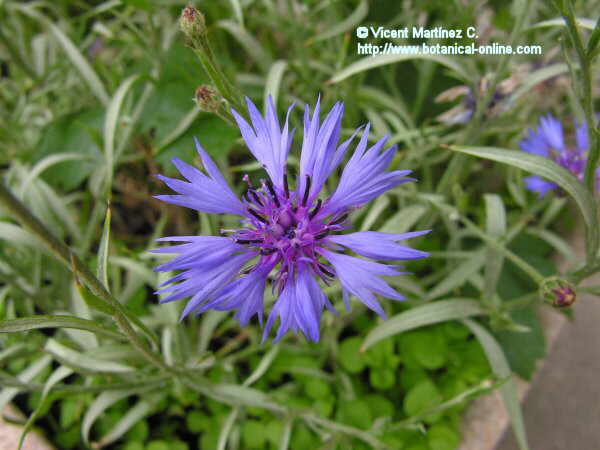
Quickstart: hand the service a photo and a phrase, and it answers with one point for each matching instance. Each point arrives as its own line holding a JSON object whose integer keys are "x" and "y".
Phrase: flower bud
{"x": 192, "y": 22}
{"x": 208, "y": 99}
{"x": 558, "y": 292}
{"x": 564, "y": 297}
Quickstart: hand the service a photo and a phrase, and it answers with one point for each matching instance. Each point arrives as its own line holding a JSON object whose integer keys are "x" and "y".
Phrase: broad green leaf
{"x": 495, "y": 226}
{"x": 548, "y": 169}
{"x": 458, "y": 276}
{"x": 349, "y": 23}
{"x": 181, "y": 127}
{"x": 273, "y": 83}
{"x": 523, "y": 350}
{"x": 440, "y": 311}
{"x": 371, "y": 62}
{"x": 39, "y": 322}
{"x": 84, "y": 362}
{"x": 102, "y": 270}
{"x": 59, "y": 374}
{"x": 501, "y": 369}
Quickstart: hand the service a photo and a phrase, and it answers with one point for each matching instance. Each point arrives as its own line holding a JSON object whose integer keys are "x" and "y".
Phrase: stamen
{"x": 322, "y": 234}
{"x": 246, "y": 179}
{"x": 257, "y": 215}
{"x": 286, "y": 187}
{"x": 267, "y": 251}
{"x": 314, "y": 212}
{"x": 248, "y": 241}
{"x": 327, "y": 272}
{"x": 340, "y": 219}
{"x": 256, "y": 197}
{"x": 306, "y": 190}
{"x": 272, "y": 191}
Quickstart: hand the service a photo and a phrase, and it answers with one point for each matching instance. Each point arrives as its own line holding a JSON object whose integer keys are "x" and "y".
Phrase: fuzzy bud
{"x": 558, "y": 292}
{"x": 192, "y": 22}
{"x": 207, "y": 98}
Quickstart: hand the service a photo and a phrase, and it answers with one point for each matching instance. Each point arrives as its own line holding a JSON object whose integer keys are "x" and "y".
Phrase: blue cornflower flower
{"x": 549, "y": 141}
{"x": 286, "y": 236}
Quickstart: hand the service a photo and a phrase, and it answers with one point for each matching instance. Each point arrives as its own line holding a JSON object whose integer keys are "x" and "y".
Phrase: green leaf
{"x": 75, "y": 133}
{"x": 59, "y": 374}
{"x": 403, "y": 220}
{"x": 495, "y": 226}
{"x": 141, "y": 409}
{"x": 350, "y": 357}
{"x": 501, "y": 369}
{"x": 111, "y": 122}
{"x": 104, "y": 401}
{"x": 102, "y": 271}
{"x": 73, "y": 53}
{"x": 534, "y": 78}
{"x": 442, "y": 437}
{"x": 422, "y": 397}
{"x": 83, "y": 361}
{"x": 523, "y": 350}
{"x": 548, "y": 169}
{"x": 8, "y": 393}
{"x": 38, "y": 322}
{"x": 349, "y": 23}
{"x": 47, "y": 162}
{"x": 560, "y": 22}
{"x": 274, "y": 81}
{"x": 252, "y": 46}
{"x": 458, "y": 276}
{"x": 371, "y": 62}
{"x": 440, "y": 311}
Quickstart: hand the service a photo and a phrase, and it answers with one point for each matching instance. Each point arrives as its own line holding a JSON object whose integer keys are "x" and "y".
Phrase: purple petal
{"x": 535, "y": 144}
{"x": 581, "y": 135}
{"x": 538, "y": 185}
{"x": 209, "y": 194}
{"x": 377, "y": 245}
{"x": 364, "y": 176}
{"x": 361, "y": 278}
{"x": 266, "y": 141}
{"x": 551, "y": 130}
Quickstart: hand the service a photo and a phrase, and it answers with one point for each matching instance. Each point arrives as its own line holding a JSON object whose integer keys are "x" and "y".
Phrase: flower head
{"x": 548, "y": 141}
{"x": 287, "y": 236}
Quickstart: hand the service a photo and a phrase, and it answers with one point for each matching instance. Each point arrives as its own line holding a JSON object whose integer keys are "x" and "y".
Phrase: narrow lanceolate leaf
{"x": 348, "y": 23}
{"x": 7, "y": 394}
{"x": 501, "y": 369}
{"x": 371, "y": 62}
{"x": 495, "y": 226}
{"x": 46, "y": 163}
{"x": 102, "y": 271}
{"x": 111, "y": 122}
{"x": 430, "y": 313}
{"x": 59, "y": 374}
{"x": 458, "y": 276}
{"x": 551, "y": 171}
{"x": 404, "y": 219}
{"x": 273, "y": 82}
{"x": 83, "y": 361}
{"x": 536, "y": 77}
{"x": 38, "y": 322}
{"x": 142, "y": 408}
{"x": 249, "y": 42}
{"x": 104, "y": 401}
{"x": 73, "y": 53}
{"x": 560, "y": 22}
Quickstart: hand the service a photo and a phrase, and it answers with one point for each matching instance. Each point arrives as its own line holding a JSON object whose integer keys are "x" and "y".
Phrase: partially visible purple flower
{"x": 287, "y": 236}
{"x": 548, "y": 141}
